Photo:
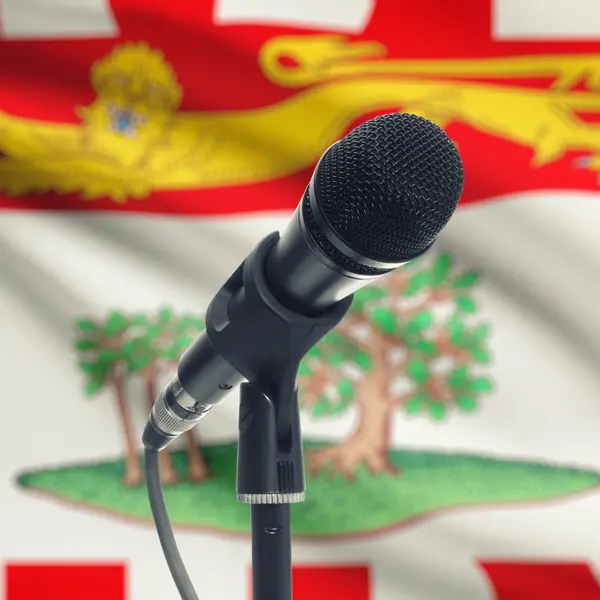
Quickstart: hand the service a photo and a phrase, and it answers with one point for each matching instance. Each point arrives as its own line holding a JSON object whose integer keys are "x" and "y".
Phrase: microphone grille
{"x": 389, "y": 187}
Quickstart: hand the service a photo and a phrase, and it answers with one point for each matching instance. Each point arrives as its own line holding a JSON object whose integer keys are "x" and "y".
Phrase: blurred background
{"x": 450, "y": 422}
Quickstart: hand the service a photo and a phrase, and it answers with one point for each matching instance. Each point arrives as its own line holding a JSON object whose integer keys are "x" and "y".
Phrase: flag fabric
{"x": 450, "y": 422}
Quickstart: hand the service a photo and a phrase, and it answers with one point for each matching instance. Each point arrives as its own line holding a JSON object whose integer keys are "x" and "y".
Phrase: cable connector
{"x": 173, "y": 413}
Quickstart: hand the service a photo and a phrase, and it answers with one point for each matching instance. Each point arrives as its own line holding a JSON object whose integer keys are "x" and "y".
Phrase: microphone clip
{"x": 265, "y": 342}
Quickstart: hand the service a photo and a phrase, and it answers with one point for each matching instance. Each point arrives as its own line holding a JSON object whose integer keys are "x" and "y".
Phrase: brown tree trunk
{"x": 168, "y": 474}
{"x": 369, "y": 444}
{"x": 197, "y": 467}
{"x": 133, "y": 472}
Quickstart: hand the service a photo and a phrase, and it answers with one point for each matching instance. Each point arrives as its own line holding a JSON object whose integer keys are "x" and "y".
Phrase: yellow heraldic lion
{"x": 325, "y": 57}
{"x": 133, "y": 139}
{"x": 544, "y": 120}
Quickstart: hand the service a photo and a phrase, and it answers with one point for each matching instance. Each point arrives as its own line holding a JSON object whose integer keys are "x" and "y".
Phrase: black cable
{"x": 164, "y": 529}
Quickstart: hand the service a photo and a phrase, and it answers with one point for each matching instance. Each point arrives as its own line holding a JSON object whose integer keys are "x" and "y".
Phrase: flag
{"x": 449, "y": 423}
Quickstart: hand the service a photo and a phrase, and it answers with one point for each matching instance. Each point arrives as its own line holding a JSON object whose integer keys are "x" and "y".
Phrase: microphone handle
{"x": 301, "y": 277}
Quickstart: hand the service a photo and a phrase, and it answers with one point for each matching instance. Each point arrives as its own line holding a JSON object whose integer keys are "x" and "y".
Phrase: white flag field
{"x": 459, "y": 463}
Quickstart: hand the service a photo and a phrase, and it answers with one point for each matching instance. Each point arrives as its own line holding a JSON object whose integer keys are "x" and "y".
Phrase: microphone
{"x": 378, "y": 198}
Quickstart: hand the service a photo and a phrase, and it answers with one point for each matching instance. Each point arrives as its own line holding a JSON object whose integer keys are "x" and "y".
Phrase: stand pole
{"x": 271, "y": 552}
{"x": 270, "y": 477}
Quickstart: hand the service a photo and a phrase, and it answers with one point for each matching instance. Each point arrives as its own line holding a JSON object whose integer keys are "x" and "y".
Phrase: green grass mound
{"x": 428, "y": 482}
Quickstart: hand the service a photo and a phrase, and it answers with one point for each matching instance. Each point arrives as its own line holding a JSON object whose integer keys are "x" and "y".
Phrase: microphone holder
{"x": 265, "y": 342}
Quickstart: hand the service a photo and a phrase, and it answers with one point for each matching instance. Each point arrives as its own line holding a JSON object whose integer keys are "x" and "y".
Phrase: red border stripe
{"x": 65, "y": 581}
{"x": 326, "y": 582}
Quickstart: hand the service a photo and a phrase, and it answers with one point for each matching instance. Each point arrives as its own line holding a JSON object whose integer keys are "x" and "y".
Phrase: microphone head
{"x": 381, "y": 195}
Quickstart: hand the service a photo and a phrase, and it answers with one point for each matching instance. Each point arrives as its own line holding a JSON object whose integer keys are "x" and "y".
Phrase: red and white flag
{"x": 450, "y": 423}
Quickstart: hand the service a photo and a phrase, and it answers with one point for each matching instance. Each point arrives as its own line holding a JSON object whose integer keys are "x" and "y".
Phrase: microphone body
{"x": 377, "y": 199}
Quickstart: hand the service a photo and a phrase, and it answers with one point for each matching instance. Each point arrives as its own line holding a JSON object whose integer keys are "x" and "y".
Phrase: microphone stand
{"x": 265, "y": 342}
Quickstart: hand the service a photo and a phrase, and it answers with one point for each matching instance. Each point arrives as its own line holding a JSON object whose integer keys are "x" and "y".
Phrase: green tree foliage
{"x": 425, "y": 312}
{"x": 100, "y": 349}
{"x": 159, "y": 339}
{"x": 132, "y": 342}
